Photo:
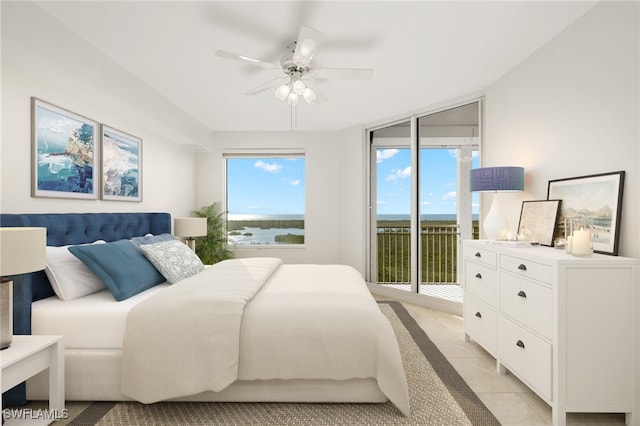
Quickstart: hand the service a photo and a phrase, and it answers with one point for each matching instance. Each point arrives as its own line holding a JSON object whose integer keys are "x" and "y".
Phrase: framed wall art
{"x": 121, "y": 165}
{"x": 538, "y": 221}
{"x": 595, "y": 197}
{"x": 64, "y": 153}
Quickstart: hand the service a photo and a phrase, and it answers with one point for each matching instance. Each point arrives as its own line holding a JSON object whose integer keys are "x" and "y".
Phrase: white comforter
{"x": 255, "y": 319}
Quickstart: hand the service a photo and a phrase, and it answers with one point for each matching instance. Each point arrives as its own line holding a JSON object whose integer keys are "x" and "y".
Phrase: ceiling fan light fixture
{"x": 293, "y": 99}
{"x": 309, "y": 95}
{"x": 282, "y": 92}
{"x": 299, "y": 87}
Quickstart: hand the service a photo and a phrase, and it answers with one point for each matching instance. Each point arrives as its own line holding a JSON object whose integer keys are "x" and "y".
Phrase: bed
{"x": 290, "y": 333}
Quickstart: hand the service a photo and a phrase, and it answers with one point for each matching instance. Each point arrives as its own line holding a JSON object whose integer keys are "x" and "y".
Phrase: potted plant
{"x": 213, "y": 247}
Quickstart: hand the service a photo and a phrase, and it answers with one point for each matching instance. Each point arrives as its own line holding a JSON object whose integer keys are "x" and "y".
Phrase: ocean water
{"x": 254, "y": 235}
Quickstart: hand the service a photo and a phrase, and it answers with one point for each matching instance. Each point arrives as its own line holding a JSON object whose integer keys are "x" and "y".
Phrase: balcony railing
{"x": 439, "y": 253}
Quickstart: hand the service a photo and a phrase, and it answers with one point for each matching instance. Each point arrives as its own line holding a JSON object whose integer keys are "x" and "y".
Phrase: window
{"x": 265, "y": 199}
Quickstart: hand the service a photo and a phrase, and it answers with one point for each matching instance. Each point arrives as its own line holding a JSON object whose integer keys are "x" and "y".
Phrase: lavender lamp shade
{"x": 497, "y": 179}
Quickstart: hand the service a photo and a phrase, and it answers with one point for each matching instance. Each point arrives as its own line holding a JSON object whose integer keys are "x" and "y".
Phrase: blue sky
{"x": 266, "y": 185}
{"x": 263, "y": 186}
{"x": 437, "y": 181}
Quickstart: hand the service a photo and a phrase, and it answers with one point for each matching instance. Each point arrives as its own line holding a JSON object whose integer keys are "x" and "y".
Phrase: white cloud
{"x": 271, "y": 168}
{"x": 451, "y": 195}
{"x": 385, "y": 154}
{"x": 294, "y": 182}
{"x": 400, "y": 174}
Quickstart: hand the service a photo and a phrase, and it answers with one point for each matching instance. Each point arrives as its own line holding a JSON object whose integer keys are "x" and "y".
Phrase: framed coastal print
{"x": 597, "y": 198}
{"x": 64, "y": 153}
{"x": 538, "y": 221}
{"x": 121, "y": 165}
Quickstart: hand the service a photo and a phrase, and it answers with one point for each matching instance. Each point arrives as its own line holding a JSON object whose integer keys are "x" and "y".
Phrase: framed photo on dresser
{"x": 595, "y": 197}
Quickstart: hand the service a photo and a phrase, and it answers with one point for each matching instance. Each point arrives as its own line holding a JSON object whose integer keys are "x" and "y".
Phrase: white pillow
{"x": 173, "y": 259}
{"x": 68, "y": 276}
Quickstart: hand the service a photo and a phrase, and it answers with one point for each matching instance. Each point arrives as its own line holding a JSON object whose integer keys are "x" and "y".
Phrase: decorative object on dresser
{"x": 22, "y": 250}
{"x": 566, "y": 326}
{"x": 597, "y": 197}
{"x": 64, "y": 153}
{"x": 496, "y": 179}
{"x": 190, "y": 228}
{"x": 538, "y": 221}
{"x": 121, "y": 165}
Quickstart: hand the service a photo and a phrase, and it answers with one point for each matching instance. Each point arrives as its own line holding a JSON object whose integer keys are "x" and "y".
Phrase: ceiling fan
{"x": 295, "y": 63}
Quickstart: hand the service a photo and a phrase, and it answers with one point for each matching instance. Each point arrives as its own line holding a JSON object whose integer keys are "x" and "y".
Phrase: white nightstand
{"x": 26, "y": 357}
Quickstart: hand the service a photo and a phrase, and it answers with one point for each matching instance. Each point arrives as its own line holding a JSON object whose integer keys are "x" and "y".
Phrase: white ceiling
{"x": 422, "y": 52}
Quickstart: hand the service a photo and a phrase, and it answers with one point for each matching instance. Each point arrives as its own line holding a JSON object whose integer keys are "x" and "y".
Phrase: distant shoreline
{"x": 238, "y": 225}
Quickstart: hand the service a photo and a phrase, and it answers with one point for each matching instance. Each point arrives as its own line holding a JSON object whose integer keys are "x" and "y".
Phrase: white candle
{"x": 581, "y": 243}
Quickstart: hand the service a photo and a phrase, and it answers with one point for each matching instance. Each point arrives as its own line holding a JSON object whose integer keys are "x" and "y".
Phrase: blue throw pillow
{"x": 121, "y": 266}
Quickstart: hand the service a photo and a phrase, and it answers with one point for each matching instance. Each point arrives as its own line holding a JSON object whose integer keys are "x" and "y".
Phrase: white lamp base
{"x": 496, "y": 224}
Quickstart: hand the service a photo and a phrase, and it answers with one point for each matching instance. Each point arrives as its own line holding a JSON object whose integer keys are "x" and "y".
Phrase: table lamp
{"x": 189, "y": 228}
{"x": 497, "y": 179}
{"x": 22, "y": 250}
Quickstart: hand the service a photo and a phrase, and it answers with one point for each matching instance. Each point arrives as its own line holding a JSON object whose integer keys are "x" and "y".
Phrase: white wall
{"x": 44, "y": 59}
{"x": 573, "y": 109}
{"x": 333, "y": 200}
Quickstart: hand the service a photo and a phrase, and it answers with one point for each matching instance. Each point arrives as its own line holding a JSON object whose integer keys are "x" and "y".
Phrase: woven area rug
{"x": 438, "y": 396}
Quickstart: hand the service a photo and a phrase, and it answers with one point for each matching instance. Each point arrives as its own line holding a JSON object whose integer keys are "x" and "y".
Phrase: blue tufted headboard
{"x": 72, "y": 228}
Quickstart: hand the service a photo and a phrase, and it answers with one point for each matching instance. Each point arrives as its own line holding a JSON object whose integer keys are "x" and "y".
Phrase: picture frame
{"x": 121, "y": 165}
{"x": 64, "y": 153}
{"x": 597, "y": 197}
{"x": 538, "y": 221}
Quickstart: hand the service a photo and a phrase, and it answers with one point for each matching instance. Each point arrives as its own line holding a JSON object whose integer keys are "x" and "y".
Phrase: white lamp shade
{"x": 282, "y": 92}
{"x": 293, "y": 99}
{"x": 309, "y": 95}
{"x": 298, "y": 87}
{"x": 22, "y": 250}
{"x": 190, "y": 227}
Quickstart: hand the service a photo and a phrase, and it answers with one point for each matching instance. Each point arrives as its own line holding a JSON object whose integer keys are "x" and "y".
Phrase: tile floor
{"x": 508, "y": 399}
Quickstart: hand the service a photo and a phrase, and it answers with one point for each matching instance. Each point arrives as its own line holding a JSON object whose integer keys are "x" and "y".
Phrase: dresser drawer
{"x": 526, "y": 355}
{"x": 527, "y": 268}
{"x": 482, "y": 282}
{"x": 481, "y": 255}
{"x": 480, "y": 323}
{"x": 526, "y": 302}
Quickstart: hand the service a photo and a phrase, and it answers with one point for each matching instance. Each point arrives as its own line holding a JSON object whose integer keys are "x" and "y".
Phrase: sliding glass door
{"x": 391, "y": 221}
{"x": 421, "y": 207}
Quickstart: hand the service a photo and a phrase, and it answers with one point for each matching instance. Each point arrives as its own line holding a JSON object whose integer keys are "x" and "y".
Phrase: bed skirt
{"x": 94, "y": 375}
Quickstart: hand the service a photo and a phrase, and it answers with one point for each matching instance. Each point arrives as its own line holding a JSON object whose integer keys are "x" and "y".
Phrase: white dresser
{"x": 566, "y": 326}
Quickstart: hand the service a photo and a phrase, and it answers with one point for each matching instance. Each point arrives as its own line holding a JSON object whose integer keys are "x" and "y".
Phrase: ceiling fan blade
{"x": 308, "y": 42}
{"x": 321, "y": 98}
{"x": 343, "y": 73}
{"x": 245, "y": 59}
{"x": 268, "y": 85}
